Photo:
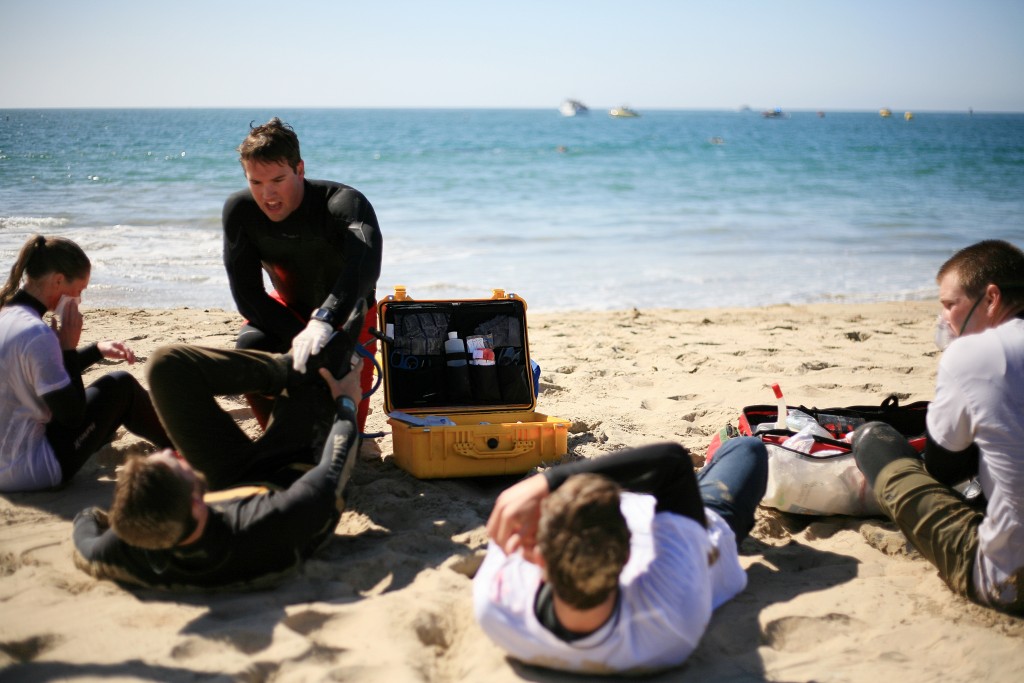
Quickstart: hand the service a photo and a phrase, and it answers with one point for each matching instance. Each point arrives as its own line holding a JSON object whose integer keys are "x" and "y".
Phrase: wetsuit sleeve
{"x": 67, "y": 405}
{"x": 662, "y": 470}
{"x": 89, "y": 528}
{"x": 340, "y": 449}
{"x": 304, "y": 516}
{"x": 98, "y": 551}
{"x": 88, "y": 356}
{"x": 102, "y": 555}
{"x": 245, "y": 274}
{"x": 362, "y": 245}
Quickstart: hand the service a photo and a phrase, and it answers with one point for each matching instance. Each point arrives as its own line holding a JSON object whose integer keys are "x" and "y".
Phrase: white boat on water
{"x": 622, "y": 112}
{"x": 572, "y": 108}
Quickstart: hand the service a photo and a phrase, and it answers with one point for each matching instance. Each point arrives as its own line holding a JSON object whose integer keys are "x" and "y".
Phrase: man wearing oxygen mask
{"x": 975, "y": 427}
{"x": 319, "y": 243}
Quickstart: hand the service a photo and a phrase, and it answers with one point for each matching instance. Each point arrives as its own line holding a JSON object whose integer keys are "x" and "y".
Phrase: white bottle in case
{"x": 457, "y": 384}
{"x": 455, "y": 350}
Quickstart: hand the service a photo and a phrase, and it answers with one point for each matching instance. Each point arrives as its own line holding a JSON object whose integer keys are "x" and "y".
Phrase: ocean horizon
{"x": 673, "y": 209}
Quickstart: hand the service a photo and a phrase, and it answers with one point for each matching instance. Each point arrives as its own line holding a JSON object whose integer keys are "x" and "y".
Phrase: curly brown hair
{"x": 583, "y": 539}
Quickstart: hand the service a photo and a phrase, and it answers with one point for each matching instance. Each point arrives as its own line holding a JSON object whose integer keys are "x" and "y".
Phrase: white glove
{"x": 309, "y": 342}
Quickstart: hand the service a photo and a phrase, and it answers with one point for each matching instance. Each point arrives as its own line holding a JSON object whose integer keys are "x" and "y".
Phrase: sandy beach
{"x": 388, "y": 599}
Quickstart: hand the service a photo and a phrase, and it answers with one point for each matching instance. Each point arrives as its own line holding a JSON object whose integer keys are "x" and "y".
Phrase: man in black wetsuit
{"x": 318, "y": 241}
{"x": 161, "y": 533}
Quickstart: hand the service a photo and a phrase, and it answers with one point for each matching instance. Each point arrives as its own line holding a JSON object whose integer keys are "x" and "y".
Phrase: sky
{"x": 840, "y": 55}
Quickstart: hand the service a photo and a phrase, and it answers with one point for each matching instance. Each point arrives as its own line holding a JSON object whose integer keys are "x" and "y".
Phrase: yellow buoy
{"x": 908, "y": 115}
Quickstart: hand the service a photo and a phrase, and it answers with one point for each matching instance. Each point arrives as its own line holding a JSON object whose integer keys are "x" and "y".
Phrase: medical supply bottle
{"x": 483, "y": 373}
{"x": 456, "y": 374}
{"x": 780, "y": 420}
{"x": 455, "y": 350}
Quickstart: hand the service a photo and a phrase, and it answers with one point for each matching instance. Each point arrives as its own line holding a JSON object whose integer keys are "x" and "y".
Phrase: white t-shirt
{"x": 677, "y": 573}
{"x": 32, "y": 365}
{"x": 979, "y": 398}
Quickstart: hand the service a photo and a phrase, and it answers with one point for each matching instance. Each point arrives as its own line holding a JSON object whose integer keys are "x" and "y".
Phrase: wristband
{"x": 324, "y": 315}
{"x": 346, "y": 404}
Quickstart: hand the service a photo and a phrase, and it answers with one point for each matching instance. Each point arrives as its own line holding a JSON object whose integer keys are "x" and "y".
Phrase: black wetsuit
{"x": 326, "y": 254}
{"x": 247, "y": 543}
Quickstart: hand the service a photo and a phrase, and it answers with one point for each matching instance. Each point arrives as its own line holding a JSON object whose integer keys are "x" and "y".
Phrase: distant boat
{"x": 885, "y": 113}
{"x": 622, "y": 112}
{"x": 776, "y": 113}
{"x": 572, "y": 108}
{"x": 908, "y": 115}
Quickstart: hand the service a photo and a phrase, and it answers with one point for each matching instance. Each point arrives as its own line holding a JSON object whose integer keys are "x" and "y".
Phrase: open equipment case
{"x": 453, "y": 415}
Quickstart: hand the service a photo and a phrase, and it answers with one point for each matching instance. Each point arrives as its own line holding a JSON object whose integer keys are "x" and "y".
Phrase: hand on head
{"x": 513, "y": 522}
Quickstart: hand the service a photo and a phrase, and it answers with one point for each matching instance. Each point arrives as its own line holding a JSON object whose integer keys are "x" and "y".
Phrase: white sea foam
{"x": 32, "y": 222}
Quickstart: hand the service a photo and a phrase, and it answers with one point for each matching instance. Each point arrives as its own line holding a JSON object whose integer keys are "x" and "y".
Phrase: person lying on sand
{"x": 161, "y": 532}
{"x": 614, "y": 565}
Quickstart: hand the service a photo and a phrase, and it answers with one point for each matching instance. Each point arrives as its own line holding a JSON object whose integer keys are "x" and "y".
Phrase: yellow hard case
{"x": 489, "y": 437}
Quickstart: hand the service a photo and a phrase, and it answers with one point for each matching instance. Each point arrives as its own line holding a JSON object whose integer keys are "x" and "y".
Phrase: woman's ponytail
{"x": 41, "y": 256}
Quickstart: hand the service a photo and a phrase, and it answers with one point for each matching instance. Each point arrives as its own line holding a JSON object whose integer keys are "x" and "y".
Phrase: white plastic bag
{"x": 820, "y": 484}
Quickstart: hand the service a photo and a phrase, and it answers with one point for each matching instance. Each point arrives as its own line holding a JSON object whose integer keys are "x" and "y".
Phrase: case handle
{"x": 519, "y": 447}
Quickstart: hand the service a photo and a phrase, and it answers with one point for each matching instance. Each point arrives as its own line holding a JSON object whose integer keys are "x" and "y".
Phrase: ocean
{"x": 678, "y": 209}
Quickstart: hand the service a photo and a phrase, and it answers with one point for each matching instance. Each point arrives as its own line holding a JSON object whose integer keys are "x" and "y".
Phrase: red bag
{"x": 908, "y": 420}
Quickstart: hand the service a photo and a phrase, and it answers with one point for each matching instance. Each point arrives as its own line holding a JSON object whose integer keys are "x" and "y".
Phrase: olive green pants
{"x": 938, "y": 523}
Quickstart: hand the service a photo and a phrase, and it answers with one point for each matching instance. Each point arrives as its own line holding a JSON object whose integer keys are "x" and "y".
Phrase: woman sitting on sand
{"x": 50, "y": 423}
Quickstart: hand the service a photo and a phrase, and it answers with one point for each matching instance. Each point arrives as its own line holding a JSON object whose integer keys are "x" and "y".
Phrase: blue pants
{"x": 734, "y": 483}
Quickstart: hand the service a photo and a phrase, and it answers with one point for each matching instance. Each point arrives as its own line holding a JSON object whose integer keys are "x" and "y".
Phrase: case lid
{"x": 422, "y": 378}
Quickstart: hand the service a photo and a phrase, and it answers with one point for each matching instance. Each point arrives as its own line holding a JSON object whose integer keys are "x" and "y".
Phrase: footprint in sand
{"x": 431, "y": 630}
{"x": 801, "y": 634}
{"x": 690, "y": 362}
{"x": 581, "y": 427}
{"x": 307, "y": 621}
{"x": 26, "y": 650}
